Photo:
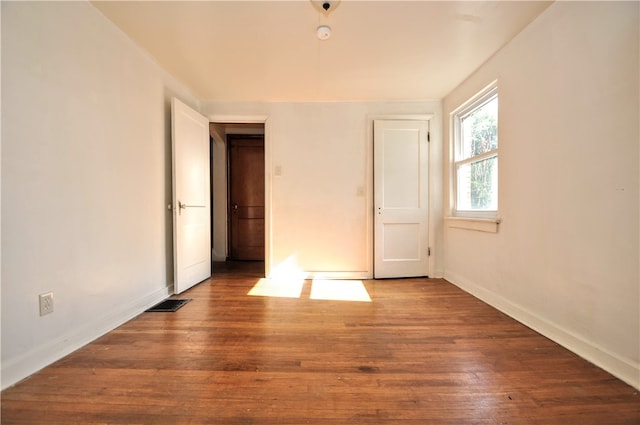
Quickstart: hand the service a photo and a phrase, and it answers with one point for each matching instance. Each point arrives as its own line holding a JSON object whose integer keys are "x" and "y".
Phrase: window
{"x": 475, "y": 156}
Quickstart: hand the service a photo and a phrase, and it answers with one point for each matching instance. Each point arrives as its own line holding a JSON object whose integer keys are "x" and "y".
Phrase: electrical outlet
{"x": 46, "y": 303}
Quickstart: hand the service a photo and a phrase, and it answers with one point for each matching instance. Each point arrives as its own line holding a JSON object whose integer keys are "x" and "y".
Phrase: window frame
{"x": 457, "y": 116}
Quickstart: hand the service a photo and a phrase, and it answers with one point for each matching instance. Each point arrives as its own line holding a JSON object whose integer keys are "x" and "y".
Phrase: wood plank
{"x": 422, "y": 352}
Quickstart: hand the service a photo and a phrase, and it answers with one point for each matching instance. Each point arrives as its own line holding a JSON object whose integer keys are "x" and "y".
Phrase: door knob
{"x": 181, "y": 206}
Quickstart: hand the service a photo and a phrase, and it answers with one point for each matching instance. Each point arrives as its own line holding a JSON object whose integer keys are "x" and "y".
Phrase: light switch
{"x": 278, "y": 170}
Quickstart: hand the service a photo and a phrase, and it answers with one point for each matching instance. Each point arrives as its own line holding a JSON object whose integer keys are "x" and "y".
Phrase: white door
{"x": 401, "y": 158}
{"x": 191, "y": 196}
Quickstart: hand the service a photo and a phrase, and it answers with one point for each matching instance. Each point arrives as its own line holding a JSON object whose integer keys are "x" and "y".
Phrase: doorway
{"x": 221, "y": 131}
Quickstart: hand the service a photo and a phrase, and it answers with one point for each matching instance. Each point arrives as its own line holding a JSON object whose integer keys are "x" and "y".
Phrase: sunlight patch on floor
{"x": 339, "y": 290}
{"x": 278, "y": 287}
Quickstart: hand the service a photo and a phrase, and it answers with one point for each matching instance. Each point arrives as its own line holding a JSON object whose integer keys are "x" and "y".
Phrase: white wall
{"x": 565, "y": 258}
{"x": 85, "y": 169}
{"x": 320, "y": 226}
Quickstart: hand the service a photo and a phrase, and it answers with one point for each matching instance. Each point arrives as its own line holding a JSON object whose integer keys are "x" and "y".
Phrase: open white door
{"x": 401, "y": 160}
{"x": 191, "y": 197}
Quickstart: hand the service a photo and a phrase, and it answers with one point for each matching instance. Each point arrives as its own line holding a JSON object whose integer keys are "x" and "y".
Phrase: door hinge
{"x": 429, "y": 252}
{"x": 428, "y": 136}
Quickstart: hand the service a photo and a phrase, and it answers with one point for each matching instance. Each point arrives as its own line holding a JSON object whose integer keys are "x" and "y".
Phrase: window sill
{"x": 489, "y": 225}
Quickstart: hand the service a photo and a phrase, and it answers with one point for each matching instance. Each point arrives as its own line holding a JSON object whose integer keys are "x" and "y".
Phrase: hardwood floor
{"x": 421, "y": 352}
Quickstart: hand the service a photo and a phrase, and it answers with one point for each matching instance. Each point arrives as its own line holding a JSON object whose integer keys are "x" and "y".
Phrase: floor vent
{"x": 168, "y": 305}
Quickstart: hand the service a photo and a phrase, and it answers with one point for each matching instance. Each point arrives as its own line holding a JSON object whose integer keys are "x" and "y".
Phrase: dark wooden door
{"x": 246, "y": 197}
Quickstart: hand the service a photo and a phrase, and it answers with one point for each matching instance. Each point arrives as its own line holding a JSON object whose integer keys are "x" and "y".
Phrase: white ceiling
{"x": 268, "y": 51}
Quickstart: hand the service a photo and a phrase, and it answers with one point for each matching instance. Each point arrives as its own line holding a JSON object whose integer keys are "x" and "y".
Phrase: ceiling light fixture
{"x": 323, "y": 32}
{"x": 325, "y": 6}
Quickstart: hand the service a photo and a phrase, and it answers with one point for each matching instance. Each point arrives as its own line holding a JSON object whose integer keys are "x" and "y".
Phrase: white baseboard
{"x": 624, "y": 369}
{"x": 302, "y": 275}
{"x": 338, "y": 275}
{"x": 218, "y": 258}
{"x": 17, "y": 369}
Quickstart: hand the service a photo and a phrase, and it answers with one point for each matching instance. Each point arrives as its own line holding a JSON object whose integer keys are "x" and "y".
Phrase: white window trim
{"x": 489, "y": 225}
{"x": 469, "y": 218}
